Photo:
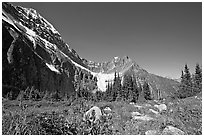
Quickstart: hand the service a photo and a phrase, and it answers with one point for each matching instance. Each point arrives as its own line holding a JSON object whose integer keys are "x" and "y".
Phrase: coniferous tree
{"x": 181, "y": 90}
{"x": 185, "y": 88}
{"x": 114, "y": 91}
{"x": 116, "y": 86}
{"x": 147, "y": 93}
{"x": 135, "y": 90}
{"x": 98, "y": 95}
{"x": 119, "y": 89}
{"x": 128, "y": 88}
{"x": 186, "y": 84}
{"x": 197, "y": 80}
{"x": 108, "y": 93}
{"x": 141, "y": 93}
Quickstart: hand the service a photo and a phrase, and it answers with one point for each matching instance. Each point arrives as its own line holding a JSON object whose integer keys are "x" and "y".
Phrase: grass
{"x": 49, "y": 118}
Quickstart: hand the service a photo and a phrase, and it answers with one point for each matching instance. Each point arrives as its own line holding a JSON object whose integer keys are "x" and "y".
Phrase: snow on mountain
{"x": 6, "y": 18}
{"x": 28, "y": 31}
{"x": 33, "y": 13}
{"x": 103, "y": 79}
{"x": 41, "y": 33}
{"x": 51, "y": 67}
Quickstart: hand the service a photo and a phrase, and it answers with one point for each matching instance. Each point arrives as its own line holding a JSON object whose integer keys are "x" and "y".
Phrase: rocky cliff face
{"x": 34, "y": 54}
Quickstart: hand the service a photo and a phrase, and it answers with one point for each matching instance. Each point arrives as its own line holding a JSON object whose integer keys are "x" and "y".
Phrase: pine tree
{"x": 135, "y": 90}
{"x": 114, "y": 91}
{"x": 147, "y": 93}
{"x": 197, "y": 80}
{"x": 116, "y": 87}
{"x": 98, "y": 96}
{"x": 185, "y": 88}
{"x": 128, "y": 88}
{"x": 108, "y": 93}
{"x": 141, "y": 94}
{"x": 181, "y": 87}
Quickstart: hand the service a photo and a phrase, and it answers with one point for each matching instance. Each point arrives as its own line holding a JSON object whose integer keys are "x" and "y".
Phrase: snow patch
{"x": 8, "y": 20}
{"x": 102, "y": 80}
{"x": 68, "y": 47}
{"x": 48, "y": 45}
{"x": 33, "y": 41}
{"x": 51, "y": 67}
{"x": 28, "y": 31}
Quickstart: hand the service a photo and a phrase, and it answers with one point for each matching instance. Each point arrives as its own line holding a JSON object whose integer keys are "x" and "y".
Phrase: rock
{"x": 132, "y": 103}
{"x": 161, "y": 107}
{"x": 170, "y": 103}
{"x": 137, "y": 106}
{"x": 89, "y": 114}
{"x": 144, "y": 118}
{"x": 153, "y": 111}
{"x": 136, "y": 114}
{"x": 152, "y": 132}
{"x": 169, "y": 130}
{"x": 147, "y": 105}
{"x": 107, "y": 109}
{"x": 156, "y": 101}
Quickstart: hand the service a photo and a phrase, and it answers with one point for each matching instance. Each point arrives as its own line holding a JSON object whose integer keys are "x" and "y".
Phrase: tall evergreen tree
{"x": 197, "y": 80}
{"x": 181, "y": 86}
{"x": 128, "y": 88}
{"x": 108, "y": 93}
{"x": 147, "y": 93}
{"x": 141, "y": 93}
{"x": 185, "y": 88}
{"x": 135, "y": 90}
{"x": 116, "y": 86}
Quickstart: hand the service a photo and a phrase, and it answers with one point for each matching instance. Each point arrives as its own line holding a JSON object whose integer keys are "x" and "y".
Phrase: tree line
{"x": 126, "y": 89}
{"x": 117, "y": 90}
{"x": 191, "y": 84}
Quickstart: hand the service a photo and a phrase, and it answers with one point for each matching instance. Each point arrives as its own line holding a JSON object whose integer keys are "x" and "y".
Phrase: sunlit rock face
{"x": 33, "y": 53}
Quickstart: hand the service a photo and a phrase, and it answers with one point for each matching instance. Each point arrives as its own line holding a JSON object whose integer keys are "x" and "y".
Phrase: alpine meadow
{"x": 50, "y": 87}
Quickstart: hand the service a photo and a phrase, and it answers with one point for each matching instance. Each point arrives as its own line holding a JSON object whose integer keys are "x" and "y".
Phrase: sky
{"x": 160, "y": 37}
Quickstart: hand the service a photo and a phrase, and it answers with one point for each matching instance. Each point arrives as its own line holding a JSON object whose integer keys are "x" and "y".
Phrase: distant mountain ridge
{"x": 34, "y": 54}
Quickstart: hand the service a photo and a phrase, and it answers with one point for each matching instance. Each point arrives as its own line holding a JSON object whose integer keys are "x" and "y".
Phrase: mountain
{"x": 160, "y": 87}
{"x": 35, "y": 55}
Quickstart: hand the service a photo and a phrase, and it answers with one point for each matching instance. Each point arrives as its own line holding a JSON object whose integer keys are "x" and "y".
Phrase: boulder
{"x": 107, "y": 109}
{"x": 132, "y": 103}
{"x": 170, "y": 130}
{"x": 153, "y": 111}
{"x": 136, "y": 114}
{"x": 151, "y": 132}
{"x": 89, "y": 114}
{"x": 144, "y": 118}
{"x": 147, "y": 105}
{"x": 161, "y": 107}
{"x": 138, "y": 106}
